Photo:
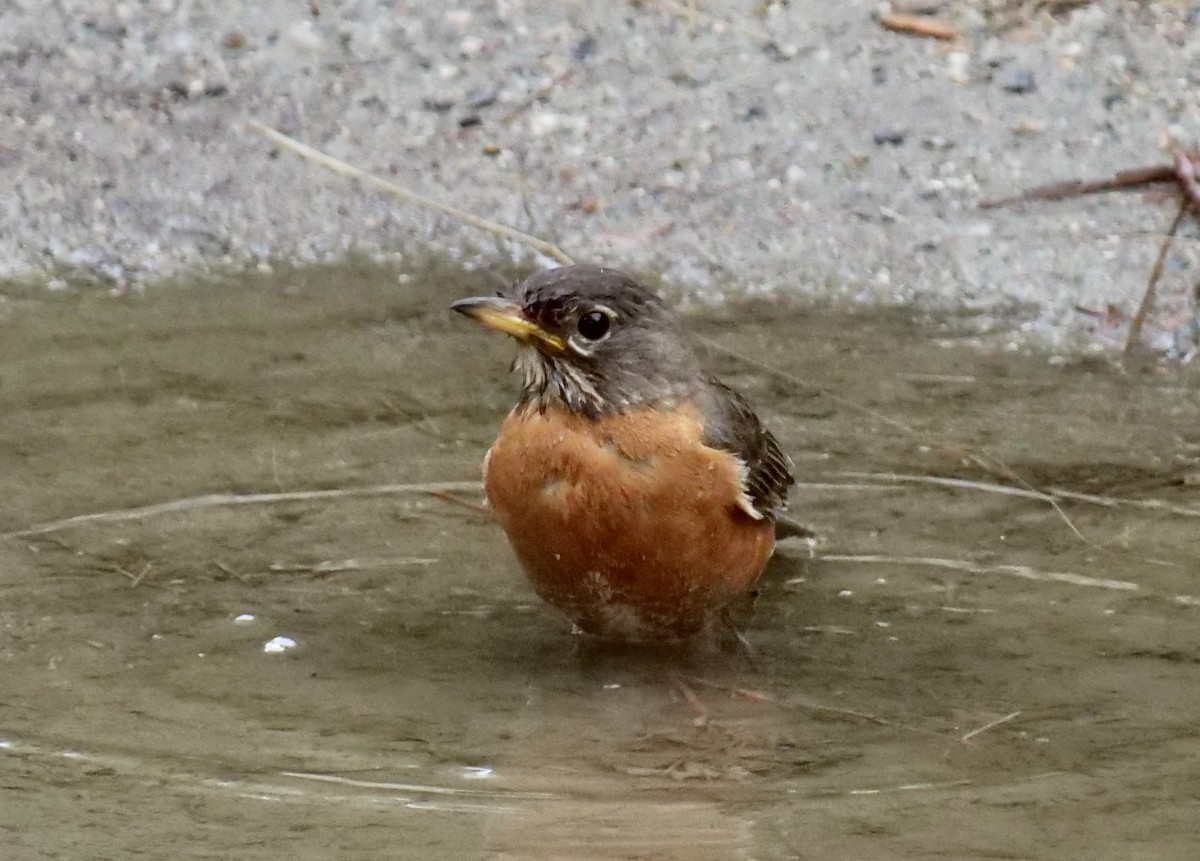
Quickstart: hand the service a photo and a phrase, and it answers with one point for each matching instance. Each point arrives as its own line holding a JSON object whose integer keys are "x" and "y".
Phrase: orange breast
{"x": 628, "y": 523}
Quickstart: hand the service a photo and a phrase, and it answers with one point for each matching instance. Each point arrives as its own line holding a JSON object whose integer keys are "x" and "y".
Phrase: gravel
{"x": 732, "y": 150}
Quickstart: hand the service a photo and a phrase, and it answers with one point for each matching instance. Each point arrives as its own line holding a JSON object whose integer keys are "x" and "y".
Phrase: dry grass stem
{"x": 694, "y": 702}
{"x": 141, "y": 575}
{"x": 477, "y": 507}
{"x": 331, "y": 566}
{"x": 695, "y": 19}
{"x": 421, "y": 788}
{"x": 225, "y": 500}
{"x": 805, "y": 705}
{"x": 1023, "y": 571}
{"x": 999, "y": 469}
{"x": 981, "y": 459}
{"x": 1048, "y": 495}
{"x": 910, "y": 787}
{"x": 957, "y": 483}
{"x": 837, "y": 485}
{"x": 997, "y": 722}
{"x": 348, "y": 170}
{"x": 538, "y": 96}
{"x": 838, "y": 630}
{"x": 1120, "y": 502}
{"x": 803, "y": 386}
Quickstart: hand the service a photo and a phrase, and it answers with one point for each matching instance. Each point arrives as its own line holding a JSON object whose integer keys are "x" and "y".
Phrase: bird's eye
{"x": 594, "y": 325}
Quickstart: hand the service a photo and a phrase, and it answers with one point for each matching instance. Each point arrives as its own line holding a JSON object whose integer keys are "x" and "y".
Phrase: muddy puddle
{"x": 960, "y": 673}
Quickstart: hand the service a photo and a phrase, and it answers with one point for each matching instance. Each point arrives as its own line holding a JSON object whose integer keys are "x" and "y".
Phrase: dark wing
{"x": 730, "y": 425}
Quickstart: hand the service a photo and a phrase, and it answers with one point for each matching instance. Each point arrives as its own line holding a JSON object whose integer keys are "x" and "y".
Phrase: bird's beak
{"x": 508, "y": 317}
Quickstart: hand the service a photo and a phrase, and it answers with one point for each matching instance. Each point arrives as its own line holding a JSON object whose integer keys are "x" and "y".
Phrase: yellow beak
{"x": 508, "y": 317}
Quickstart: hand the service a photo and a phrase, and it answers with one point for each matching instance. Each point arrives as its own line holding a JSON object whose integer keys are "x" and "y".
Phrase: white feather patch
{"x": 743, "y": 501}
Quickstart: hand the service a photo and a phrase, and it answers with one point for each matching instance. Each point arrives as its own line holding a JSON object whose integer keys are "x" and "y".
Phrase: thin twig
{"x": 1183, "y": 172}
{"x": 1187, "y": 174}
{"x": 340, "y": 167}
{"x": 224, "y": 500}
{"x": 1125, "y": 179}
{"x": 918, "y": 26}
{"x": 1134, "y": 335}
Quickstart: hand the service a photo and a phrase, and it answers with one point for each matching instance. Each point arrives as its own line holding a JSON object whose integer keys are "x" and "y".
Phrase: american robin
{"x": 639, "y": 493}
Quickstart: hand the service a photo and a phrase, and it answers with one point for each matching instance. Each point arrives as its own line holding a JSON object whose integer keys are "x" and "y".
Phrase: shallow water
{"x": 959, "y": 673}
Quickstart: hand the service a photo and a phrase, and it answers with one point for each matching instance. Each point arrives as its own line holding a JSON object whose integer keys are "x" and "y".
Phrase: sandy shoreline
{"x": 803, "y": 151}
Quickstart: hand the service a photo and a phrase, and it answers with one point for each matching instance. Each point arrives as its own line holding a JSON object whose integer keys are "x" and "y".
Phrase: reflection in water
{"x": 959, "y": 668}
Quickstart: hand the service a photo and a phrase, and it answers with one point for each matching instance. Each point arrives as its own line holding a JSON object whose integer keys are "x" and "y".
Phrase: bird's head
{"x": 591, "y": 338}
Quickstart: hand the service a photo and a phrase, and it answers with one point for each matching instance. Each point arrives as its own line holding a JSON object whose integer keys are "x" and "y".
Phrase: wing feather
{"x": 732, "y": 426}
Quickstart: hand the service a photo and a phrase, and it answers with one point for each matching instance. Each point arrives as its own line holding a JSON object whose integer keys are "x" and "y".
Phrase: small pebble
{"x": 279, "y": 645}
{"x": 1017, "y": 81}
{"x": 544, "y": 123}
{"x": 481, "y": 99}
{"x": 458, "y": 19}
{"x": 584, "y": 48}
{"x": 889, "y": 137}
{"x": 302, "y": 35}
{"x": 957, "y": 66}
{"x": 780, "y": 52}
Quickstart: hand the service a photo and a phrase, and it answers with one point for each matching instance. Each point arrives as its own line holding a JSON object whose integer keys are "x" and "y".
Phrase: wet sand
{"x": 958, "y": 674}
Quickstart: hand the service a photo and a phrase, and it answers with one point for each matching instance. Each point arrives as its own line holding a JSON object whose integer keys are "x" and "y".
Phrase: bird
{"x": 639, "y": 493}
